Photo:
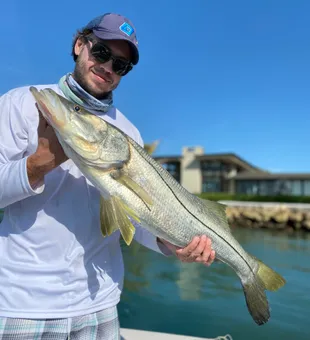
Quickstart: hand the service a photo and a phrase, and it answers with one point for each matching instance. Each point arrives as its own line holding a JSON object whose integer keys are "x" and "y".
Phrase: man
{"x": 58, "y": 276}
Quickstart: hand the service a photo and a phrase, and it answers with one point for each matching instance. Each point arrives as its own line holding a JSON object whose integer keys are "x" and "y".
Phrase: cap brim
{"x": 111, "y": 36}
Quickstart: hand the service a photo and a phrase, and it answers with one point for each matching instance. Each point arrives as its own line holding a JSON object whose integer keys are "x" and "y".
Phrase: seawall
{"x": 275, "y": 216}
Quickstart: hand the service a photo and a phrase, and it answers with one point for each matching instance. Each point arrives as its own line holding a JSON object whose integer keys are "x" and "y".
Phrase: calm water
{"x": 162, "y": 294}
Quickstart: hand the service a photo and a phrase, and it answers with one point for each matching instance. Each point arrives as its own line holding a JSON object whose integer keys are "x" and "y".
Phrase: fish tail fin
{"x": 254, "y": 290}
{"x": 256, "y": 300}
{"x": 271, "y": 280}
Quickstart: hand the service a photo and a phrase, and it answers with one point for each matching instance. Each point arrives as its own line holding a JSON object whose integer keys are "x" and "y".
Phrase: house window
{"x": 211, "y": 184}
{"x": 271, "y": 187}
{"x": 307, "y": 188}
{"x": 211, "y": 166}
{"x": 288, "y": 187}
{"x": 266, "y": 188}
{"x": 296, "y": 188}
{"x": 174, "y": 169}
{"x": 247, "y": 187}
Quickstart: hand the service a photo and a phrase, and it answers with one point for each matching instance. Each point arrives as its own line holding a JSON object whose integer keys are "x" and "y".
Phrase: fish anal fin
{"x": 114, "y": 215}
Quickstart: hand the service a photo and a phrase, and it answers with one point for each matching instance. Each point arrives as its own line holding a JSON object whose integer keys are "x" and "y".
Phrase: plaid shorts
{"x": 96, "y": 326}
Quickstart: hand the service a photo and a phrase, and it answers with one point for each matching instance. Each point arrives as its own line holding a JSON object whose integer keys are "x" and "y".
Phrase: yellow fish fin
{"x": 136, "y": 188}
{"x": 114, "y": 215}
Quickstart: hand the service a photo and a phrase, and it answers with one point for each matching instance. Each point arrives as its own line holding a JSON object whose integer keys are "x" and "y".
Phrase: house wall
{"x": 191, "y": 177}
{"x": 231, "y": 175}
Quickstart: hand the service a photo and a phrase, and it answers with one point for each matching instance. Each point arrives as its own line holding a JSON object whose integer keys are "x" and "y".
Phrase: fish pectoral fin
{"x": 114, "y": 215}
{"x": 217, "y": 211}
{"x": 136, "y": 188}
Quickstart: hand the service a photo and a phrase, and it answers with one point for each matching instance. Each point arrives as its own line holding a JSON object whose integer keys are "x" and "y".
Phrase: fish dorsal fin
{"x": 217, "y": 211}
{"x": 136, "y": 188}
{"x": 114, "y": 215}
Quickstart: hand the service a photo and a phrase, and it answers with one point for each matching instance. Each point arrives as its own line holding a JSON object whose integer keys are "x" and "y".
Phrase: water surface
{"x": 162, "y": 294}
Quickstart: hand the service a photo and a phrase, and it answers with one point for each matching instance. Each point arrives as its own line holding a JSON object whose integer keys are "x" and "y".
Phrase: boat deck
{"x": 134, "y": 334}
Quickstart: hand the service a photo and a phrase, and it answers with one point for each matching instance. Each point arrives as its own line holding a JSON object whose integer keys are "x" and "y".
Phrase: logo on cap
{"x": 126, "y": 28}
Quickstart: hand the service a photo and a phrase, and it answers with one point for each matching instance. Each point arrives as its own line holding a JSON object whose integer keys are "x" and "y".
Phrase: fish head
{"x": 52, "y": 107}
{"x": 86, "y": 134}
{"x": 62, "y": 115}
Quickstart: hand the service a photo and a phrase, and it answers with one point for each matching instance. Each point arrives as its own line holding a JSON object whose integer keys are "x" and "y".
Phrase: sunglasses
{"x": 103, "y": 54}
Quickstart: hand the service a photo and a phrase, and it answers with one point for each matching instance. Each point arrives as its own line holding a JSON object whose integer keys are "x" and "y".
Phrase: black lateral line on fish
{"x": 145, "y": 156}
{"x": 126, "y": 162}
{"x": 129, "y": 158}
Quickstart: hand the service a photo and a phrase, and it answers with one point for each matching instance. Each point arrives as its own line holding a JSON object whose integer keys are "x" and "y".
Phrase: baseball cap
{"x": 111, "y": 26}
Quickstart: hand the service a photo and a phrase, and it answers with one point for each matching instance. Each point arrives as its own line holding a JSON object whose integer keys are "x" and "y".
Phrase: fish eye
{"x": 77, "y": 108}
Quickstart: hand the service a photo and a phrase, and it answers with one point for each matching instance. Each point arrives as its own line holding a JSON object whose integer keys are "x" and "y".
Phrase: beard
{"x": 78, "y": 75}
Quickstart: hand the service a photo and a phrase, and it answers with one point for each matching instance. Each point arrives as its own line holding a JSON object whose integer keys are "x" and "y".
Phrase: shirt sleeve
{"x": 14, "y": 181}
{"x": 149, "y": 241}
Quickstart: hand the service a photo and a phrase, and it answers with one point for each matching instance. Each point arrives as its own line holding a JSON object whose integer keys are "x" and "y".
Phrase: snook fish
{"x": 134, "y": 187}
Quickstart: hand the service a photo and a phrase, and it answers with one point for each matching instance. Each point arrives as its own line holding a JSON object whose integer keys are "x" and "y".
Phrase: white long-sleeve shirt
{"x": 54, "y": 262}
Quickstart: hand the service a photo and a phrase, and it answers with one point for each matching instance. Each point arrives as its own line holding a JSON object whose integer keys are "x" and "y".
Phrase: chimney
{"x": 190, "y": 169}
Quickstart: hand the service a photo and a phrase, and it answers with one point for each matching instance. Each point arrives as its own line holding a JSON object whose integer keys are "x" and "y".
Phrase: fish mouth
{"x": 49, "y": 105}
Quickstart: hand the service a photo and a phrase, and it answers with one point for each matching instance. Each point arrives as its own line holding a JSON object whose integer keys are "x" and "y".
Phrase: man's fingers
{"x": 199, "y": 250}
{"x": 207, "y": 250}
{"x": 200, "y": 247}
{"x": 190, "y": 248}
{"x": 211, "y": 258}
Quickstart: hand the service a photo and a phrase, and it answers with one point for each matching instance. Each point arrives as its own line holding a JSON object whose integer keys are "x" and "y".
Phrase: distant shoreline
{"x": 303, "y": 206}
{"x": 265, "y": 215}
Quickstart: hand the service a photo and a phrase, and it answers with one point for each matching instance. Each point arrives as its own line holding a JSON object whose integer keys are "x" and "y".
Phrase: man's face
{"x": 95, "y": 77}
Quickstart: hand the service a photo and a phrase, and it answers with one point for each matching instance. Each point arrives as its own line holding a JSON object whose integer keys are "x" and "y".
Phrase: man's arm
{"x": 150, "y": 241}
{"x": 20, "y": 176}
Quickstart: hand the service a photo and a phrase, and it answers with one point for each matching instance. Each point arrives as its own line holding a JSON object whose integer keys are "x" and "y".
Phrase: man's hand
{"x": 198, "y": 250}
{"x": 49, "y": 153}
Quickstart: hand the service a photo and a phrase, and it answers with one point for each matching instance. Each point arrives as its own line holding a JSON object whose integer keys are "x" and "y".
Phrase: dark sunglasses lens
{"x": 121, "y": 67}
{"x": 101, "y": 53}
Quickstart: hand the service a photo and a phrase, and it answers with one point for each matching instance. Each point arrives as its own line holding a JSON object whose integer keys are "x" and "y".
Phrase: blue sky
{"x": 231, "y": 76}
